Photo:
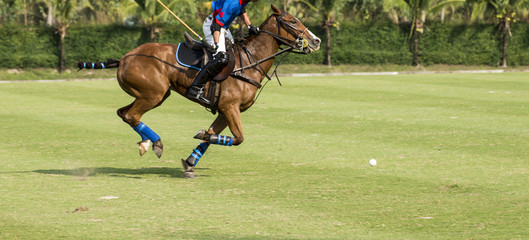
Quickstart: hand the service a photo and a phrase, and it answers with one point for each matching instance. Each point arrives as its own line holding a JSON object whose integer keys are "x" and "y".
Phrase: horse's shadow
{"x": 85, "y": 172}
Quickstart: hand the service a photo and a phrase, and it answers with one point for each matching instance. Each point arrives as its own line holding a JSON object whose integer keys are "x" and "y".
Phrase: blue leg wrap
{"x": 143, "y": 137}
{"x": 146, "y": 133}
{"x": 221, "y": 140}
{"x": 197, "y": 154}
{"x": 226, "y": 141}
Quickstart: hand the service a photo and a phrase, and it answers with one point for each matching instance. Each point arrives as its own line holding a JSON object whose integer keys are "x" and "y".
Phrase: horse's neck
{"x": 261, "y": 47}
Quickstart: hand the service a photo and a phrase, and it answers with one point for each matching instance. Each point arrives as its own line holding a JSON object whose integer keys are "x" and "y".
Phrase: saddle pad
{"x": 189, "y": 58}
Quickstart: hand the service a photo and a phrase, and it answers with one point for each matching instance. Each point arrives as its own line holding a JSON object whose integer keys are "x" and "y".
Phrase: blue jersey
{"x": 225, "y": 11}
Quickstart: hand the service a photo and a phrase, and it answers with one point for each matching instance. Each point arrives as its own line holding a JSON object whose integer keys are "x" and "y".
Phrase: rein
{"x": 258, "y": 62}
{"x": 293, "y": 45}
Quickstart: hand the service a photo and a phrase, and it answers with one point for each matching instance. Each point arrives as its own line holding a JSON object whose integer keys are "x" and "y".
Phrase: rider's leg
{"x": 206, "y": 26}
{"x": 212, "y": 68}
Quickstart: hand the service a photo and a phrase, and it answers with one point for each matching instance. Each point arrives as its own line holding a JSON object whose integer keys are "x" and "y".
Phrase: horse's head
{"x": 290, "y": 31}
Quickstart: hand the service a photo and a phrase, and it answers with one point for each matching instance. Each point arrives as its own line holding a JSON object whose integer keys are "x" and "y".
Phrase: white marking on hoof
{"x": 144, "y": 146}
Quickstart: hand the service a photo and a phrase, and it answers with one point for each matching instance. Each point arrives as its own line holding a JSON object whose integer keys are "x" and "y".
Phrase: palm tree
{"x": 62, "y": 14}
{"x": 329, "y": 12}
{"x": 502, "y": 12}
{"x": 417, "y": 10}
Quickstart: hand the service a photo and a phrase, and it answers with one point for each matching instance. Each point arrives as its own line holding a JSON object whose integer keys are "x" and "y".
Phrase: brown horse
{"x": 149, "y": 73}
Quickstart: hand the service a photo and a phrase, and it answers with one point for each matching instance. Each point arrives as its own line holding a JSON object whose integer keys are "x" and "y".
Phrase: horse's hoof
{"x": 189, "y": 175}
{"x": 189, "y": 171}
{"x": 201, "y": 134}
{"x": 187, "y": 167}
{"x": 144, "y": 146}
{"x": 157, "y": 147}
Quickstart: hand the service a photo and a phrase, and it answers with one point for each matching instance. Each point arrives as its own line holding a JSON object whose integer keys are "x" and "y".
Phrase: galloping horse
{"x": 149, "y": 73}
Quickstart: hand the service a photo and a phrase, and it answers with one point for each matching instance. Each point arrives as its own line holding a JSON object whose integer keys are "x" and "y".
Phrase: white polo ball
{"x": 373, "y": 162}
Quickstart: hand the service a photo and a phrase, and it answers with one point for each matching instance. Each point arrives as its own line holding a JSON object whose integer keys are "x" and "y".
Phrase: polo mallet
{"x": 177, "y": 18}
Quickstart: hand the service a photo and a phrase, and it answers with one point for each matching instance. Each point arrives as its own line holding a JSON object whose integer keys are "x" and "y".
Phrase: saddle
{"x": 193, "y": 54}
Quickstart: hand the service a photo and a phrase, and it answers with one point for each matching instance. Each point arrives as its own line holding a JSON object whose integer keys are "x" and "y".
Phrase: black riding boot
{"x": 214, "y": 67}
{"x": 196, "y": 91}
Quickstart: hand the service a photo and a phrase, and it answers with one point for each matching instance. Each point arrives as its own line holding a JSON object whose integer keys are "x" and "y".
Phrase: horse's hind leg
{"x": 132, "y": 114}
{"x": 145, "y": 142}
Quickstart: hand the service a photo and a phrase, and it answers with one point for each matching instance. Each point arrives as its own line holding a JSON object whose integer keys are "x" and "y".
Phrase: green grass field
{"x": 452, "y": 152}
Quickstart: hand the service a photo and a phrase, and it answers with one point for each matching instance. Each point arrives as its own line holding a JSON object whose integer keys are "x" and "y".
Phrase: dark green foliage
{"x": 466, "y": 45}
{"x": 174, "y": 33}
{"x": 370, "y": 44}
{"x": 28, "y": 47}
{"x": 518, "y": 45}
{"x": 95, "y": 43}
{"x": 31, "y": 47}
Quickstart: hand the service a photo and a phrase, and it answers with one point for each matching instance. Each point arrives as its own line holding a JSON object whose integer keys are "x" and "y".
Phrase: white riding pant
{"x": 224, "y": 32}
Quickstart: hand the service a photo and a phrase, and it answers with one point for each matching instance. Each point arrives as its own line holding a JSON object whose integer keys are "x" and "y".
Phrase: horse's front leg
{"x": 189, "y": 164}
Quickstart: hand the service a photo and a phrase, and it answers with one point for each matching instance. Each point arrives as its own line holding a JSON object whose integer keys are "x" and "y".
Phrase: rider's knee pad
{"x": 216, "y": 65}
{"x": 222, "y": 57}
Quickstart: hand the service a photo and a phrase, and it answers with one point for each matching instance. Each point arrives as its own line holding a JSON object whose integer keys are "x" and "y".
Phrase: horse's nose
{"x": 316, "y": 41}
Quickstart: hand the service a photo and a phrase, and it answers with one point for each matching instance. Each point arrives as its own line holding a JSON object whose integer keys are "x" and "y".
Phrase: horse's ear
{"x": 276, "y": 10}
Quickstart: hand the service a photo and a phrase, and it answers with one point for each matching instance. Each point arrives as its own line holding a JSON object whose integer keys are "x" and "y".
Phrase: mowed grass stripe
{"x": 451, "y": 162}
{"x": 406, "y": 122}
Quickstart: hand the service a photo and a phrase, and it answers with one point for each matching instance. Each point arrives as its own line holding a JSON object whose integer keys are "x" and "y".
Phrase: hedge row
{"x": 30, "y": 47}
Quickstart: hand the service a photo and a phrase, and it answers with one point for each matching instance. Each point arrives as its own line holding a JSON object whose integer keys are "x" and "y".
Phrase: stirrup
{"x": 204, "y": 100}
{"x": 199, "y": 95}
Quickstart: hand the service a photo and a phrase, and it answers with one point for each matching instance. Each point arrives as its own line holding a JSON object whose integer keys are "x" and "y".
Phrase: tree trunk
{"x": 328, "y": 45}
{"x": 62, "y": 34}
{"x": 49, "y": 18}
{"x": 505, "y": 38}
{"x": 415, "y": 48}
{"x": 154, "y": 31}
{"x": 152, "y": 34}
{"x": 25, "y": 14}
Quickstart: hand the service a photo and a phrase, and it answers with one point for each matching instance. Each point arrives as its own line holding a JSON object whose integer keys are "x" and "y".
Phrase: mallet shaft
{"x": 174, "y": 15}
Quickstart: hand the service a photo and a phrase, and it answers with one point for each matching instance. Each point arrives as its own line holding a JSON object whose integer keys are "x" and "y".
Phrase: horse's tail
{"x": 109, "y": 63}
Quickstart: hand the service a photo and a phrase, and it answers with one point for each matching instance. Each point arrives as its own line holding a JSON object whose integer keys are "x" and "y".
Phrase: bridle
{"x": 295, "y": 46}
{"x": 299, "y": 44}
